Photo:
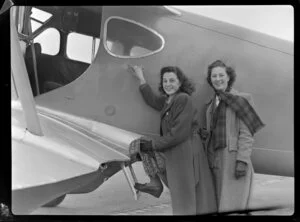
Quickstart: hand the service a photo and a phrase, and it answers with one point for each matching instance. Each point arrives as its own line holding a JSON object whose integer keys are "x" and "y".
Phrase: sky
{"x": 275, "y": 20}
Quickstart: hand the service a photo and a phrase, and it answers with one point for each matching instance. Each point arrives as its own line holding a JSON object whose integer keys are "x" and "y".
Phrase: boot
{"x": 155, "y": 187}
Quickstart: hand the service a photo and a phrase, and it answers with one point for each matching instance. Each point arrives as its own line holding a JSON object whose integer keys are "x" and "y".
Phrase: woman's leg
{"x": 152, "y": 169}
{"x": 155, "y": 181}
{"x": 163, "y": 177}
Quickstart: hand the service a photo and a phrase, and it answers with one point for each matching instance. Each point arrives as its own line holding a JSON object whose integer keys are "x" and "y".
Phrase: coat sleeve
{"x": 245, "y": 139}
{"x": 155, "y": 101}
{"x": 182, "y": 116}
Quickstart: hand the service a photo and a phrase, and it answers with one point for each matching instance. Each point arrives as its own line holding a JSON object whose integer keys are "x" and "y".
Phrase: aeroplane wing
{"x": 39, "y": 174}
{"x": 69, "y": 158}
{"x": 66, "y": 159}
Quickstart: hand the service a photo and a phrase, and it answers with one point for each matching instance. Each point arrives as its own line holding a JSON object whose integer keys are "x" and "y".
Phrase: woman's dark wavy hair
{"x": 186, "y": 85}
{"x": 229, "y": 70}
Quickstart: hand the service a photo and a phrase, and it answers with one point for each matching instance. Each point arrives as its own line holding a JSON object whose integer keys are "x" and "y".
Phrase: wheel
{"x": 55, "y": 202}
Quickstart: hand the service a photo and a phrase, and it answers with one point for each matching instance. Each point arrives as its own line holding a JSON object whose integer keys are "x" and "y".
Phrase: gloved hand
{"x": 240, "y": 169}
{"x": 203, "y": 133}
{"x": 134, "y": 149}
{"x": 146, "y": 146}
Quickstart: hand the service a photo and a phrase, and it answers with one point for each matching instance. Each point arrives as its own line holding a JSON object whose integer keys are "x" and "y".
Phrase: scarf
{"x": 243, "y": 110}
{"x": 153, "y": 162}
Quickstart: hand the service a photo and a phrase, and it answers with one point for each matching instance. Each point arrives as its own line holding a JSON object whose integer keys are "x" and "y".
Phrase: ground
{"x": 114, "y": 197}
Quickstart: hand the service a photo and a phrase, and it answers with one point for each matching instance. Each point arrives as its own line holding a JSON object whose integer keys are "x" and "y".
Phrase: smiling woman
{"x": 171, "y": 83}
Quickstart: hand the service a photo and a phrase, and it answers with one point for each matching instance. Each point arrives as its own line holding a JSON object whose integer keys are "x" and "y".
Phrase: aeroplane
{"x": 75, "y": 114}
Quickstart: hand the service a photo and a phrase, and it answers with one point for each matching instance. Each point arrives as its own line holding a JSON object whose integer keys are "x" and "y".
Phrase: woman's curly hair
{"x": 186, "y": 85}
{"x": 229, "y": 70}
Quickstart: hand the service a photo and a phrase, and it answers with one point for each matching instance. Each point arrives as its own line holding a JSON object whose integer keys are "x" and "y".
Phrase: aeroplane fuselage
{"x": 107, "y": 93}
{"x": 102, "y": 98}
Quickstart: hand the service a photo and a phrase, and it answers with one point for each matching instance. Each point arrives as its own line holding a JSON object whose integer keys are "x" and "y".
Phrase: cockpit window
{"x": 81, "y": 47}
{"x": 49, "y": 35}
{"x": 40, "y": 15}
{"x": 38, "y": 18}
{"x": 125, "y": 38}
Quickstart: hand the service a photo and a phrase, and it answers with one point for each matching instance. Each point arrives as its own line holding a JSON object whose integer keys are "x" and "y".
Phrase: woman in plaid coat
{"x": 231, "y": 122}
{"x": 188, "y": 176}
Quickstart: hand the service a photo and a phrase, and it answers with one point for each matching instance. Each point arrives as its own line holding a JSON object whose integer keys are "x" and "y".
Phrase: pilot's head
{"x": 220, "y": 76}
{"x": 173, "y": 80}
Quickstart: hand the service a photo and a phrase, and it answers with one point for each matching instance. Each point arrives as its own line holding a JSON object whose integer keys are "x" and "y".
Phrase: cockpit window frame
{"x": 136, "y": 23}
{"x": 43, "y": 23}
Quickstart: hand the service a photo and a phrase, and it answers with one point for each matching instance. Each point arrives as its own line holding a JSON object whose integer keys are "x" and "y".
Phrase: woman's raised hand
{"x": 137, "y": 71}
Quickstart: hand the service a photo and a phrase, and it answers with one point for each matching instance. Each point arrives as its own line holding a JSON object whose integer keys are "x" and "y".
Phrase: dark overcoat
{"x": 188, "y": 174}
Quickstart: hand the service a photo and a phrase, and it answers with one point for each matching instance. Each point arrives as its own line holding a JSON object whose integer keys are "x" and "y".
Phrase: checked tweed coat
{"x": 188, "y": 174}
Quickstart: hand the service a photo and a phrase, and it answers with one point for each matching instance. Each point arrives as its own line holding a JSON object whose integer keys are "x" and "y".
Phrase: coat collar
{"x": 209, "y": 101}
{"x": 168, "y": 106}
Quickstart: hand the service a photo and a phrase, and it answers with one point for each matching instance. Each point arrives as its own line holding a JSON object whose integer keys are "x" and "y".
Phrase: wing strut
{"x": 136, "y": 193}
{"x": 33, "y": 53}
{"x": 22, "y": 83}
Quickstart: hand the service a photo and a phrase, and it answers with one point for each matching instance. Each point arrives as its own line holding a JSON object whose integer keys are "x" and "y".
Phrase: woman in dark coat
{"x": 188, "y": 176}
